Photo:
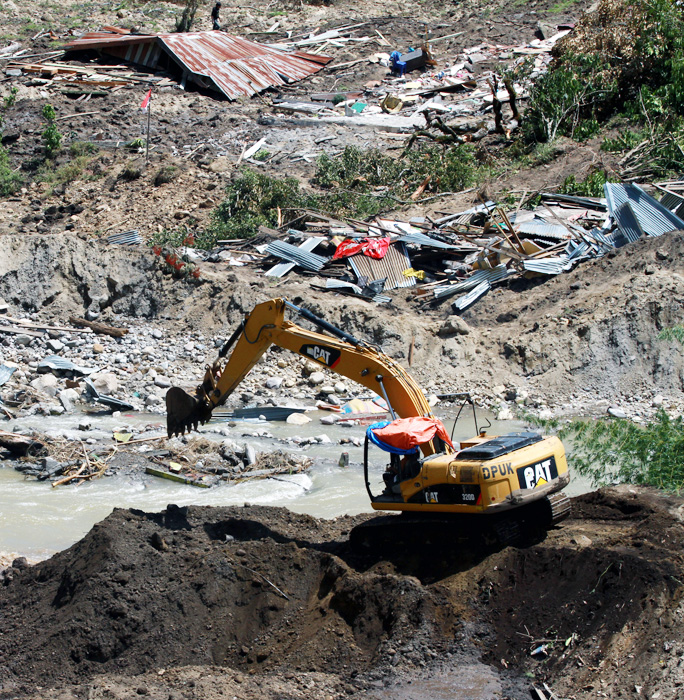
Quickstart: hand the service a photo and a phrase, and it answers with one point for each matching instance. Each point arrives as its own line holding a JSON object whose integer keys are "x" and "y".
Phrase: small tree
{"x": 51, "y": 136}
{"x": 186, "y": 20}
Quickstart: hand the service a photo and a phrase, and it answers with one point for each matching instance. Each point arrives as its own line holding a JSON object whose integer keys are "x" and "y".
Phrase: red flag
{"x": 146, "y": 102}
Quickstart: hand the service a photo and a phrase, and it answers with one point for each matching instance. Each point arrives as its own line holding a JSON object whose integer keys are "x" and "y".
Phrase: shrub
{"x": 52, "y": 139}
{"x": 617, "y": 450}
{"x": 165, "y": 174}
{"x": 591, "y": 186}
{"x": 10, "y": 181}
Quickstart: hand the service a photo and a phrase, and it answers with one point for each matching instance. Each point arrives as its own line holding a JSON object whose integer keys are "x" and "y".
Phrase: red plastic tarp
{"x": 407, "y": 433}
{"x": 372, "y": 247}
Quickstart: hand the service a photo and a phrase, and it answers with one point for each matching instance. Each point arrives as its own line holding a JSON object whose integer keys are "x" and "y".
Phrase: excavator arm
{"x": 338, "y": 351}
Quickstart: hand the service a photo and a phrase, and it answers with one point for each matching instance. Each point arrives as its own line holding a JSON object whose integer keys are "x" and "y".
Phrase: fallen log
{"x": 100, "y": 328}
{"x": 21, "y": 445}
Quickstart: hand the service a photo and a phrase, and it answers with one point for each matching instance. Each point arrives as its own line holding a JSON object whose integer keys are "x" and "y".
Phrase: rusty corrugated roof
{"x": 215, "y": 60}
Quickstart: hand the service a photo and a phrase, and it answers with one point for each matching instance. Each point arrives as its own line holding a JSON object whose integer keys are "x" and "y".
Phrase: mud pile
{"x": 268, "y": 600}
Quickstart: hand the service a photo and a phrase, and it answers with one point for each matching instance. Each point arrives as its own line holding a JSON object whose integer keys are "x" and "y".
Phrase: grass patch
{"x": 673, "y": 333}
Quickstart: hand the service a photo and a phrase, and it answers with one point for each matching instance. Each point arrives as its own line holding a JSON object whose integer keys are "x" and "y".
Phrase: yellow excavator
{"x": 516, "y": 477}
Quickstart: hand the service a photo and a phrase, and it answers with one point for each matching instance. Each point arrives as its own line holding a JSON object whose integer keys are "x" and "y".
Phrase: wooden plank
{"x": 20, "y": 331}
{"x": 163, "y": 474}
{"x": 101, "y": 328}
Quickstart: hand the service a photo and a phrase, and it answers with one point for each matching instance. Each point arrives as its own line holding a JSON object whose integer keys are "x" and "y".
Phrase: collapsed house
{"x": 215, "y": 61}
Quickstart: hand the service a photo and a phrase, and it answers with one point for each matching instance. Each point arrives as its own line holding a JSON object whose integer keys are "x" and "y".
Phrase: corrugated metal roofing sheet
{"x": 544, "y": 230}
{"x": 462, "y": 303}
{"x": 303, "y": 258}
{"x": 653, "y": 217}
{"x": 215, "y": 60}
{"x": 5, "y": 373}
{"x": 628, "y": 223}
{"x": 390, "y": 268}
{"x": 494, "y": 275}
{"x": 547, "y": 266}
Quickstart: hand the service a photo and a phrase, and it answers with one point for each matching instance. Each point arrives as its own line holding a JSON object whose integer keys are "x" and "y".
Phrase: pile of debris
{"x": 461, "y": 254}
{"x": 467, "y": 90}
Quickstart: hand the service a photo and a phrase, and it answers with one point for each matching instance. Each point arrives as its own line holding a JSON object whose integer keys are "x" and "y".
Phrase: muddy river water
{"x": 37, "y": 520}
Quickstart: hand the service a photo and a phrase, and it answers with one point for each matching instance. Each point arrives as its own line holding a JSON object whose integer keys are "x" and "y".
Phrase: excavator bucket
{"x": 183, "y": 412}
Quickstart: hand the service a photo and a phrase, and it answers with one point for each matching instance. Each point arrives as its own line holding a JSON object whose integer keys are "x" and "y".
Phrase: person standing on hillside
{"x": 215, "y": 16}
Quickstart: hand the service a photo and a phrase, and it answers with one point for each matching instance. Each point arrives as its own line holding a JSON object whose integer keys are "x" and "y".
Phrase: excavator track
{"x": 407, "y": 530}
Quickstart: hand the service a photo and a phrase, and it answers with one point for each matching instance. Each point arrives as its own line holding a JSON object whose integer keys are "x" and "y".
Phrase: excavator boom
{"x": 338, "y": 351}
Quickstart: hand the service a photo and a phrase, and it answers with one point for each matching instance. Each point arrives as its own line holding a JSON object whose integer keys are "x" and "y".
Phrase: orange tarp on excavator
{"x": 407, "y": 433}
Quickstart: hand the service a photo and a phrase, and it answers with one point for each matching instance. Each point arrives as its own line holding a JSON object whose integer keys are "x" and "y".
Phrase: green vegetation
{"x": 673, "y": 333}
{"x": 591, "y": 186}
{"x": 357, "y": 184}
{"x": 616, "y": 450}
{"x": 166, "y": 173}
{"x": 10, "y": 98}
{"x": 10, "y": 181}
{"x": 52, "y": 139}
{"x": 624, "y": 59}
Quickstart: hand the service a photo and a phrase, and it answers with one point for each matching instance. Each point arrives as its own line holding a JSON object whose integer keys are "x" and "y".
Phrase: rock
{"x": 316, "y": 378}
{"x": 581, "y": 541}
{"x": 162, "y": 382}
{"x": 67, "y": 397}
{"x": 20, "y": 563}
{"x": 658, "y": 401}
{"x": 499, "y": 390}
{"x": 152, "y": 400}
{"x": 156, "y": 333}
{"x": 323, "y": 439}
{"x": 333, "y": 400}
{"x": 189, "y": 347}
{"x": 616, "y": 412}
{"x": 105, "y": 382}
{"x": 98, "y": 348}
{"x": 274, "y": 382}
{"x": 454, "y": 325}
{"x": 340, "y": 388}
{"x": 433, "y": 400}
{"x": 84, "y": 425}
{"x": 504, "y": 413}
{"x": 329, "y": 420}
{"x": 46, "y": 384}
{"x": 55, "y": 345}
{"x": 250, "y": 455}
{"x": 328, "y": 389}
{"x": 222, "y": 164}
{"x": 49, "y": 464}
{"x": 22, "y": 340}
{"x": 298, "y": 419}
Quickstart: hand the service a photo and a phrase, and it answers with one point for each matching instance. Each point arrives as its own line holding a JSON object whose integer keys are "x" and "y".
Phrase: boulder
{"x": 105, "y": 382}
{"x": 298, "y": 419}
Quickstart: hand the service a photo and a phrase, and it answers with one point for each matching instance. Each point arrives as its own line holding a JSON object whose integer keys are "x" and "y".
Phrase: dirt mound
{"x": 262, "y": 591}
{"x": 252, "y": 588}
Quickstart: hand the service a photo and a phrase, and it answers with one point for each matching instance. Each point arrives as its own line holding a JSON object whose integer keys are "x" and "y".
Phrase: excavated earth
{"x": 258, "y": 602}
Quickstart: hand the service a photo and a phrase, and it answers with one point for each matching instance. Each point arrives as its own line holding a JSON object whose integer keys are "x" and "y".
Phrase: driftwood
{"x": 100, "y": 328}
{"x": 21, "y": 445}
